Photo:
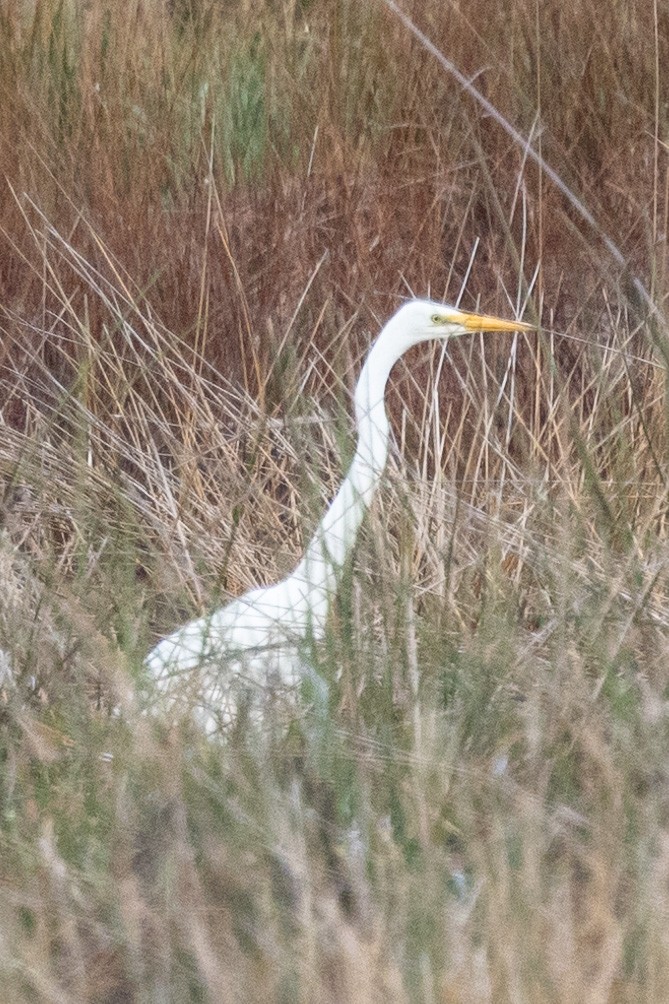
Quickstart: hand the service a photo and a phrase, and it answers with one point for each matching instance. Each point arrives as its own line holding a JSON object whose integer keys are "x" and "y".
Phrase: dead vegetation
{"x": 207, "y": 211}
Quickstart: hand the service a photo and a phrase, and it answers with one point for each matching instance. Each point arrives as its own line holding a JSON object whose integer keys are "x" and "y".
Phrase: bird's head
{"x": 422, "y": 320}
{"x": 417, "y": 321}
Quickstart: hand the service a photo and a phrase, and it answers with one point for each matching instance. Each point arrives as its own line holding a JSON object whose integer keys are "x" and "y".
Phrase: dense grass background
{"x": 206, "y": 212}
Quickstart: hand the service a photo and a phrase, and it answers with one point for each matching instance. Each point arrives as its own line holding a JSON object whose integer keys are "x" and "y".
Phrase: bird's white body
{"x": 256, "y": 648}
{"x": 252, "y": 650}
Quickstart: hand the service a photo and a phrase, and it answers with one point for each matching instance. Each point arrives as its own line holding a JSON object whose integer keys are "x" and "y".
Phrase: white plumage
{"x": 255, "y": 648}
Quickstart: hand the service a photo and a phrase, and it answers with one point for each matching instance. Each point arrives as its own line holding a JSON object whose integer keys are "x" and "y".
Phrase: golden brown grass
{"x": 207, "y": 211}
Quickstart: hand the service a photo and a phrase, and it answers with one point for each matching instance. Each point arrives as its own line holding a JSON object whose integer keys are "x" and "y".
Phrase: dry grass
{"x": 207, "y": 210}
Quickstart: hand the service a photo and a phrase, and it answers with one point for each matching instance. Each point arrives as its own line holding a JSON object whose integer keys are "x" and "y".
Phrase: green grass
{"x": 207, "y": 215}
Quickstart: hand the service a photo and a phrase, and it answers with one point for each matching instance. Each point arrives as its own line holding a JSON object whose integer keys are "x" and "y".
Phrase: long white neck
{"x": 331, "y": 543}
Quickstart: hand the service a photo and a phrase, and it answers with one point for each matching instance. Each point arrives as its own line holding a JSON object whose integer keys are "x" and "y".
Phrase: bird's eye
{"x": 438, "y": 319}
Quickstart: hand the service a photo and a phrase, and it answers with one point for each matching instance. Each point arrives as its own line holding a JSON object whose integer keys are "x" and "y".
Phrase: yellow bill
{"x": 481, "y": 322}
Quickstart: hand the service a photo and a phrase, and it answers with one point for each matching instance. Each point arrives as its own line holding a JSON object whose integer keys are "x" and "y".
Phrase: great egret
{"x": 255, "y": 646}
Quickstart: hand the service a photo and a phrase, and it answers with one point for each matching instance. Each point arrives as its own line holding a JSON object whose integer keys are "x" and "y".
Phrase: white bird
{"x": 257, "y": 646}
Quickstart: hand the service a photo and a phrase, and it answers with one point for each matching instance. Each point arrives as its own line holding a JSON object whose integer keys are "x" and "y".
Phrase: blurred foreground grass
{"x": 206, "y": 214}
